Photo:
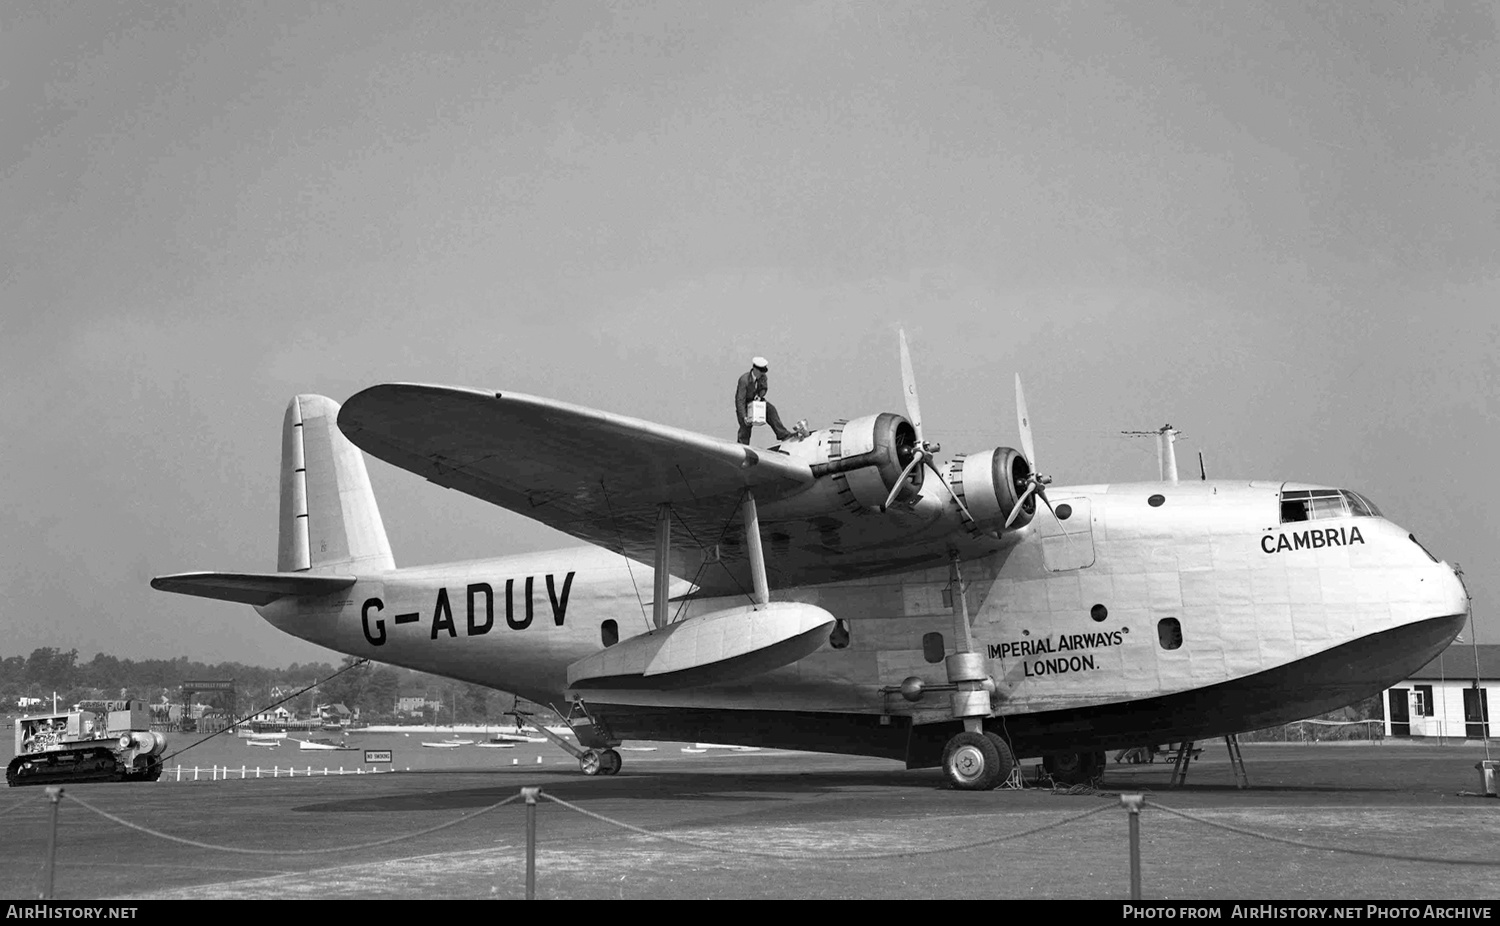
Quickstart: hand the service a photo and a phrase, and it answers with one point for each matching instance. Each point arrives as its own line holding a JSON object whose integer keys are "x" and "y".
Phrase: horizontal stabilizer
{"x": 256, "y": 588}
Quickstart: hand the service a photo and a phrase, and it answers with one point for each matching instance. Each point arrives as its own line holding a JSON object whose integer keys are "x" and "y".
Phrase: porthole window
{"x": 1169, "y": 632}
{"x": 609, "y": 633}
{"x": 839, "y": 638}
{"x": 1098, "y": 612}
{"x": 1156, "y": 501}
{"x": 932, "y": 647}
{"x": 1064, "y": 511}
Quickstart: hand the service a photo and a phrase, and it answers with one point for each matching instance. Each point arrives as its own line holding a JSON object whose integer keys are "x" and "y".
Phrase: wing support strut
{"x": 663, "y": 574}
{"x": 757, "y": 555}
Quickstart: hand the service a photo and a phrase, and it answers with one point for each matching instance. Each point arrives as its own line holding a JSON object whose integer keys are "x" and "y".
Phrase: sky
{"x": 1273, "y": 225}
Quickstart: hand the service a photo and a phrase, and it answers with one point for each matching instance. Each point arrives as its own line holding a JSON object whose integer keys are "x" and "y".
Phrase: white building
{"x": 1447, "y": 698}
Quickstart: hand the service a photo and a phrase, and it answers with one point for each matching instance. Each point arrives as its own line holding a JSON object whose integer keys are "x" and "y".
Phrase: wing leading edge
{"x": 595, "y": 475}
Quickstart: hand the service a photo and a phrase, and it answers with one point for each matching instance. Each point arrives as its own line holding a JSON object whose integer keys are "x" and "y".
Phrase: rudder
{"x": 329, "y": 519}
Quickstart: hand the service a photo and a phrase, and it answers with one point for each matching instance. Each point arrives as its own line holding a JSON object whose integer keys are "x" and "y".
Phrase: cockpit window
{"x": 1355, "y": 497}
{"x": 1317, "y": 504}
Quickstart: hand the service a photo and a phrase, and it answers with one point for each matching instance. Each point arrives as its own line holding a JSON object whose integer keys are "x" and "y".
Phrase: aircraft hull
{"x": 1328, "y": 680}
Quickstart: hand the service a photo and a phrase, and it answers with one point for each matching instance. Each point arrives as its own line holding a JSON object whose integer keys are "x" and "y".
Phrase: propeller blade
{"x": 909, "y": 386}
{"x": 916, "y": 460}
{"x": 1023, "y": 421}
{"x": 962, "y": 507}
{"x": 1020, "y": 503}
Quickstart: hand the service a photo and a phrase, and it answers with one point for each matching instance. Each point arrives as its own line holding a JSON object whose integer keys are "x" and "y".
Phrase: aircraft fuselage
{"x": 1149, "y": 611}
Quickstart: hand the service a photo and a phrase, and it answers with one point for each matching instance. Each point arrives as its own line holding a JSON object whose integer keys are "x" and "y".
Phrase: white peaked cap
{"x": 759, "y": 362}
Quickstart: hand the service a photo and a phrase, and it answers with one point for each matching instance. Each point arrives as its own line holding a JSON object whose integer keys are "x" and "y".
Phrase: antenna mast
{"x": 1166, "y": 450}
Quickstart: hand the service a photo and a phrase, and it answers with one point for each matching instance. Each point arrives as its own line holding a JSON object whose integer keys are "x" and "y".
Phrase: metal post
{"x": 1132, "y": 804}
{"x": 54, "y": 795}
{"x": 529, "y": 794}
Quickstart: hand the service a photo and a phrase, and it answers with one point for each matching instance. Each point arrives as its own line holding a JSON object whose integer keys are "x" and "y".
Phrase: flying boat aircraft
{"x": 844, "y": 592}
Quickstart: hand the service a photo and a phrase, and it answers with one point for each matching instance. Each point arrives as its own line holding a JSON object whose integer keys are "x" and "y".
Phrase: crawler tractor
{"x": 112, "y": 743}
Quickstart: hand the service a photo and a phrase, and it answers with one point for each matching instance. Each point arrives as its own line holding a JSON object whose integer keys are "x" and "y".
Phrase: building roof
{"x": 1457, "y": 661}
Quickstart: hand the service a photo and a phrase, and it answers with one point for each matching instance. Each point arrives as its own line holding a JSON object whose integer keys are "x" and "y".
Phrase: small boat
{"x": 496, "y": 744}
{"x": 443, "y": 745}
{"x": 269, "y": 744}
{"x": 513, "y": 738}
{"x": 458, "y": 742}
{"x": 329, "y": 745}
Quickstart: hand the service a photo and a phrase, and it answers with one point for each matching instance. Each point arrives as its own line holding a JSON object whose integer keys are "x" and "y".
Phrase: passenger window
{"x": 609, "y": 633}
{"x": 1169, "y": 633}
{"x": 1293, "y": 510}
{"x": 839, "y": 638}
{"x": 932, "y": 647}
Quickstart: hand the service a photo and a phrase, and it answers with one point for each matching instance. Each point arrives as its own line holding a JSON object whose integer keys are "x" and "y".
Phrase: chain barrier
{"x": 822, "y": 856}
{"x": 1368, "y": 853}
{"x": 11, "y": 807}
{"x": 367, "y": 845}
{"x": 1132, "y": 802}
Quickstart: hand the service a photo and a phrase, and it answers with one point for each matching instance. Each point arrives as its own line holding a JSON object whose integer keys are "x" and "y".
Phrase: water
{"x": 407, "y": 753}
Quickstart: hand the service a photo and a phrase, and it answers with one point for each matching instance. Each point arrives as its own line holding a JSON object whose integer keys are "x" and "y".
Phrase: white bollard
{"x": 257, "y": 771}
{"x": 179, "y": 772}
{"x": 309, "y": 771}
{"x": 242, "y": 773}
{"x": 515, "y": 761}
{"x": 325, "y": 771}
{"x": 195, "y": 773}
{"x": 538, "y": 760}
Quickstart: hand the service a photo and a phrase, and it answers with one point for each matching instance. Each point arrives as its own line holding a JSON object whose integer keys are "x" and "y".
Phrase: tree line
{"x": 373, "y": 689}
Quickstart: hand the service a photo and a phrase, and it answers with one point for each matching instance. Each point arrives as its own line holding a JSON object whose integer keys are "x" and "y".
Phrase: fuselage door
{"x": 1068, "y": 541}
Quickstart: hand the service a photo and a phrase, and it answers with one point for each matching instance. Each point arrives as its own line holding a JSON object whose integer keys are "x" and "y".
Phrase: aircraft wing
{"x": 592, "y": 474}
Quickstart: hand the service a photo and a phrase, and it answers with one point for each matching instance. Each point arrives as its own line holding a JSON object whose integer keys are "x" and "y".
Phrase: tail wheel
{"x": 976, "y": 761}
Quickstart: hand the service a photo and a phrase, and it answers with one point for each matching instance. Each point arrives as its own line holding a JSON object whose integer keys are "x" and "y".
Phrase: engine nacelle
{"x": 990, "y": 484}
{"x": 863, "y": 459}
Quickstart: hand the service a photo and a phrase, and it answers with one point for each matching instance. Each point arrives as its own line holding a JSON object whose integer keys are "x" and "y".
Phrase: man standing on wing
{"x": 752, "y": 386}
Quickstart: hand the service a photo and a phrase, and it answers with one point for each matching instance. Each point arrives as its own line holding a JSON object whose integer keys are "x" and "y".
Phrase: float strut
{"x": 757, "y": 555}
{"x": 663, "y": 576}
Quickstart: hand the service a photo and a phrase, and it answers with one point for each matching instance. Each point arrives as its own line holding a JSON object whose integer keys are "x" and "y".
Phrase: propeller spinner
{"x": 922, "y": 452}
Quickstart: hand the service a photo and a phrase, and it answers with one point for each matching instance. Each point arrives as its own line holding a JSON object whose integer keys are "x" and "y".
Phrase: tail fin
{"x": 329, "y": 520}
